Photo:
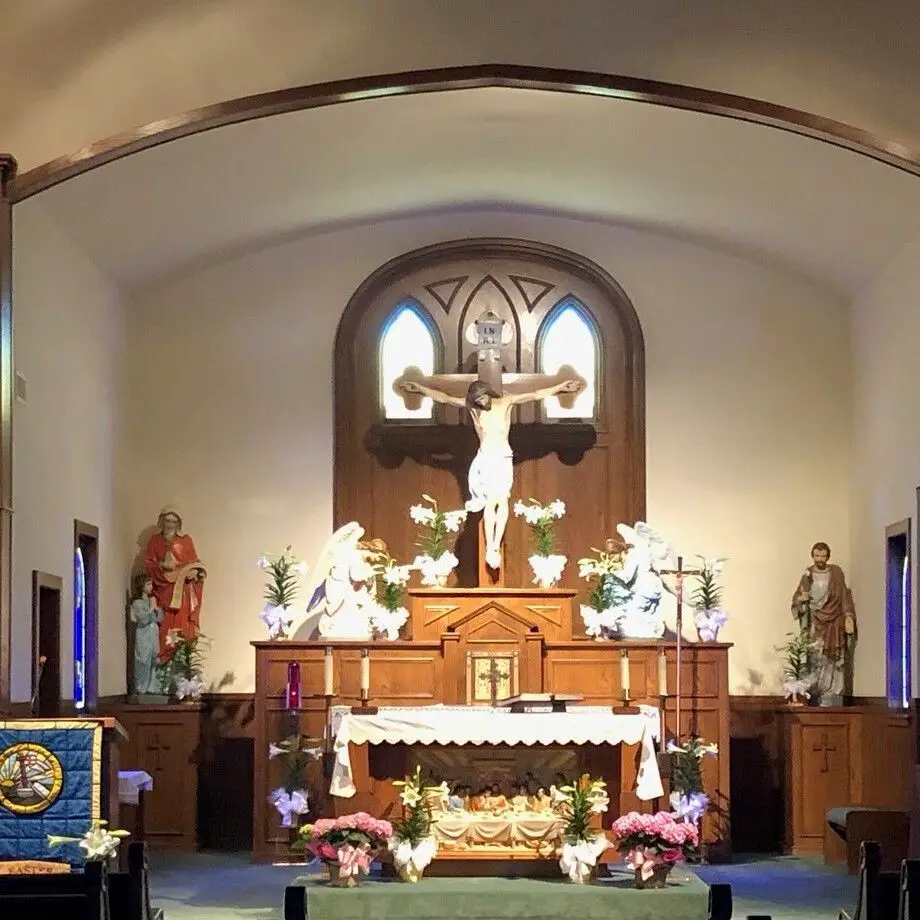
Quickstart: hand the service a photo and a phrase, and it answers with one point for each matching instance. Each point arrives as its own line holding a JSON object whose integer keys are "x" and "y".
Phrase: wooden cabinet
{"x": 856, "y": 755}
{"x": 821, "y": 750}
{"x": 163, "y": 741}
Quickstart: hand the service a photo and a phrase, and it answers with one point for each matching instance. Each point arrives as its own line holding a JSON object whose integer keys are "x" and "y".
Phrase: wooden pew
{"x": 94, "y": 893}
{"x": 74, "y": 895}
{"x": 720, "y": 902}
{"x": 909, "y": 895}
{"x": 877, "y": 897}
{"x": 845, "y": 828}
{"x": 129, "y": 892}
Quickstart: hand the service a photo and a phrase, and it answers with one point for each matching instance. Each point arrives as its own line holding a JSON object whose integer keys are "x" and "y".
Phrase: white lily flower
{"x": 421, "y": 515}
{"x": 410, "y": 796}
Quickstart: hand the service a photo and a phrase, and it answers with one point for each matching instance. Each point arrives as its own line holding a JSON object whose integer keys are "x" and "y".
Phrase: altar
{"x": 478, "y": 726}
{"x": 456, "y": 633}
{"x": 502, "y": 768}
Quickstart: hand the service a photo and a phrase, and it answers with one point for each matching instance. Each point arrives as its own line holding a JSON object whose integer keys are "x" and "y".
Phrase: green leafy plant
{"x": 541, "y": 519}
{"x": 708, "y": 593}
{"x": 686, "y": 760}
{"x": 186, "y": 658}
{"x": 584, "y": 798}
{"x": 294, "y": 758}
{"x": 607, "y": 591}
{"x": 283, "y": 574}
{"x": 392, "y": 579}
{"x": 435, "y": 525}
{"x": 798, "y": 655}
{"x": 415, "y": 825}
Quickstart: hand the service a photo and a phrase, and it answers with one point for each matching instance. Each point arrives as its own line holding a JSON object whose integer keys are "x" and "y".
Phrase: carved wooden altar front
{"x": 466, "y": 645}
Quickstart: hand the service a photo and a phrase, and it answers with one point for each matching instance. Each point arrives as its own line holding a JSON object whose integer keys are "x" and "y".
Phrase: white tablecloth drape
{"x": 130, "y": 783}
{"x": 484, "y": 725}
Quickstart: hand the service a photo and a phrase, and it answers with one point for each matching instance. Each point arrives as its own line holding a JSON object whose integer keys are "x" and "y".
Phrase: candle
{"x": 662, "y": 675}
{"x": 293, "y": 685}
{"x": 327, "y": 673}
{"x": 624, "y": 673}
{"x": 365, "y": 672}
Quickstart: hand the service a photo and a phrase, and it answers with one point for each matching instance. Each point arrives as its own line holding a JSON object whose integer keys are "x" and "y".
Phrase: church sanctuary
{"x": 459, "y": 459}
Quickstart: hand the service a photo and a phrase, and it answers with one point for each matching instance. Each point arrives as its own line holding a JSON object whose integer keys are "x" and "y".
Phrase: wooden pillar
{"x": 7, "y": 174}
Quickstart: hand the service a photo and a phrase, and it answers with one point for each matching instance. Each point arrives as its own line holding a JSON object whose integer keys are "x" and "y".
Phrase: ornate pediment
{"x": 493, "y": 620}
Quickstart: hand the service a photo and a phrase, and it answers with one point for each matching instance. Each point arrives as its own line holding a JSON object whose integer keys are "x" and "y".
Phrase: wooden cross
{"x": 496, "y": 674}
{"x": 680, "y": 573}
{"x": 825, "y": 748}
{"x": 156, "y": 747}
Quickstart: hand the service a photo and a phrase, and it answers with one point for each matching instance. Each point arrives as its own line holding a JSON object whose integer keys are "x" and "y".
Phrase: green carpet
{"x": 616, "y": 898}
{"x": 228, "y": 886}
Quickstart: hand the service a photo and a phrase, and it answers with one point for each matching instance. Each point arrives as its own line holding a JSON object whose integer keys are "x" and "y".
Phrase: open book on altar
{"x": 540, "y": 702}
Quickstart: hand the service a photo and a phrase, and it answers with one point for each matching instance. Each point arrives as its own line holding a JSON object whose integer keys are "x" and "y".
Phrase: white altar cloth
{"x": 484, "y": 725}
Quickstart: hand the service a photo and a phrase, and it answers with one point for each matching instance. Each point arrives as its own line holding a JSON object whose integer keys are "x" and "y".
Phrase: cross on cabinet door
{"x": 157, "y": 751}
{"x": 824, "y": 748}
{"x": 167, "y": 752}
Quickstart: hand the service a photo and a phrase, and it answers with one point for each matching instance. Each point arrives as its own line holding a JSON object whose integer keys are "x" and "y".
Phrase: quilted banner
{"x": 50, "y": 783}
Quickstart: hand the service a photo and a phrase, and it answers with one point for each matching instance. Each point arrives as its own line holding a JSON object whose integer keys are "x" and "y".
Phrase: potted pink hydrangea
{"x": 653, "y": 844}
{"x": 346, "y": 846}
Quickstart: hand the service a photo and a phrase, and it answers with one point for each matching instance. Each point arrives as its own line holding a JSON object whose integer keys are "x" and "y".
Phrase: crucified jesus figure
{"x": 491, "y": 473}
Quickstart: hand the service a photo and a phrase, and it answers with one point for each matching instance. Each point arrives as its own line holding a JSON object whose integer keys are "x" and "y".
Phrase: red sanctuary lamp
{"x": 293, "y": 697}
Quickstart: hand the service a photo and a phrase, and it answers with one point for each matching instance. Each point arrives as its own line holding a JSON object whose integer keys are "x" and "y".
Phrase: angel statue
{"x": 341, "y": 604}
{"x": 637, "y": 616}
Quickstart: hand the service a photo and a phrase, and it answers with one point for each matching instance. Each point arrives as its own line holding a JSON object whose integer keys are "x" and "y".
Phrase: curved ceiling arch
{"x": 820, "y": 209}
{"x": 319, "y": 95}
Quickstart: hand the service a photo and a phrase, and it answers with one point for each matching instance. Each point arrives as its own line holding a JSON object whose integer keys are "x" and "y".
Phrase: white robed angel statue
{"x": 341, "y": 602}
{"x": 646, "y": 553}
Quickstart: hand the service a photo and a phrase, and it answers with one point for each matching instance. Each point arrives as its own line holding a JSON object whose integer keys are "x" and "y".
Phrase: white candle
{"x": 624, "y": 673}
{"x": 327, "y": 673}
{"x": 662, "y": 675}
{"x": 365, "y": 672}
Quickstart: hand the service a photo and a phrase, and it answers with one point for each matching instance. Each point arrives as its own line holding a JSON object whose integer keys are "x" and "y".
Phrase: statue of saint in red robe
{"x": 178, "y": 576}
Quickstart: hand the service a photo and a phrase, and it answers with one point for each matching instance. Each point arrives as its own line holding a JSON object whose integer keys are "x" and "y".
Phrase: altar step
{"x": 614, "y": 898}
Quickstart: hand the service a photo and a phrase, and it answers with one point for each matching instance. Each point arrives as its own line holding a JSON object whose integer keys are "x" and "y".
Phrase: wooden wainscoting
{"x": 226, "y": 761}
{"x": 874, "y": 747}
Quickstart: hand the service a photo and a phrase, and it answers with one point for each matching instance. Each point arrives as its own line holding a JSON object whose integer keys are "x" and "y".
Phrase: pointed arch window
{"x": 569, "y": 336}
{"x": 407, "y": 339}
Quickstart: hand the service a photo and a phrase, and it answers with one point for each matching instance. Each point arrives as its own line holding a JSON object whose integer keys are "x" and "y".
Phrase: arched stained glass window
{"x": 79, "y": 630}
{"x": 407, "y": 340}
{"x": 569, "y": 337}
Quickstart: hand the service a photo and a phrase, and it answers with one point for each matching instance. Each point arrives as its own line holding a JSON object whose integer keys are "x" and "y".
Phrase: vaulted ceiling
{"x": 75, "y": 71}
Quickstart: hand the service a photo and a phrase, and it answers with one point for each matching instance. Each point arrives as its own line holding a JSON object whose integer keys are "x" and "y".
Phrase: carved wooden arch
{"x": 382, "y": 467}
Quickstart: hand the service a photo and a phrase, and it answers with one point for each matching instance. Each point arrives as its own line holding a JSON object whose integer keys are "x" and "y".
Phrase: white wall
{"x": 69, "y": 345}
{"x": 230, "y": 398}
{"x": 886, "y": 342}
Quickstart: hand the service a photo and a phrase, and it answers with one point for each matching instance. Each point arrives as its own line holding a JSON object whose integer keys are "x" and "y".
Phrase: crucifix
{"x": 680, "y": 573}
{"x": 490, "y": 395}
{"x": 497, "y": 674}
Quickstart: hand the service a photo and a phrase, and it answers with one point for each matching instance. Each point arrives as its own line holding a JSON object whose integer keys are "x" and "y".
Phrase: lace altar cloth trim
{"x": 484, "y": 725}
